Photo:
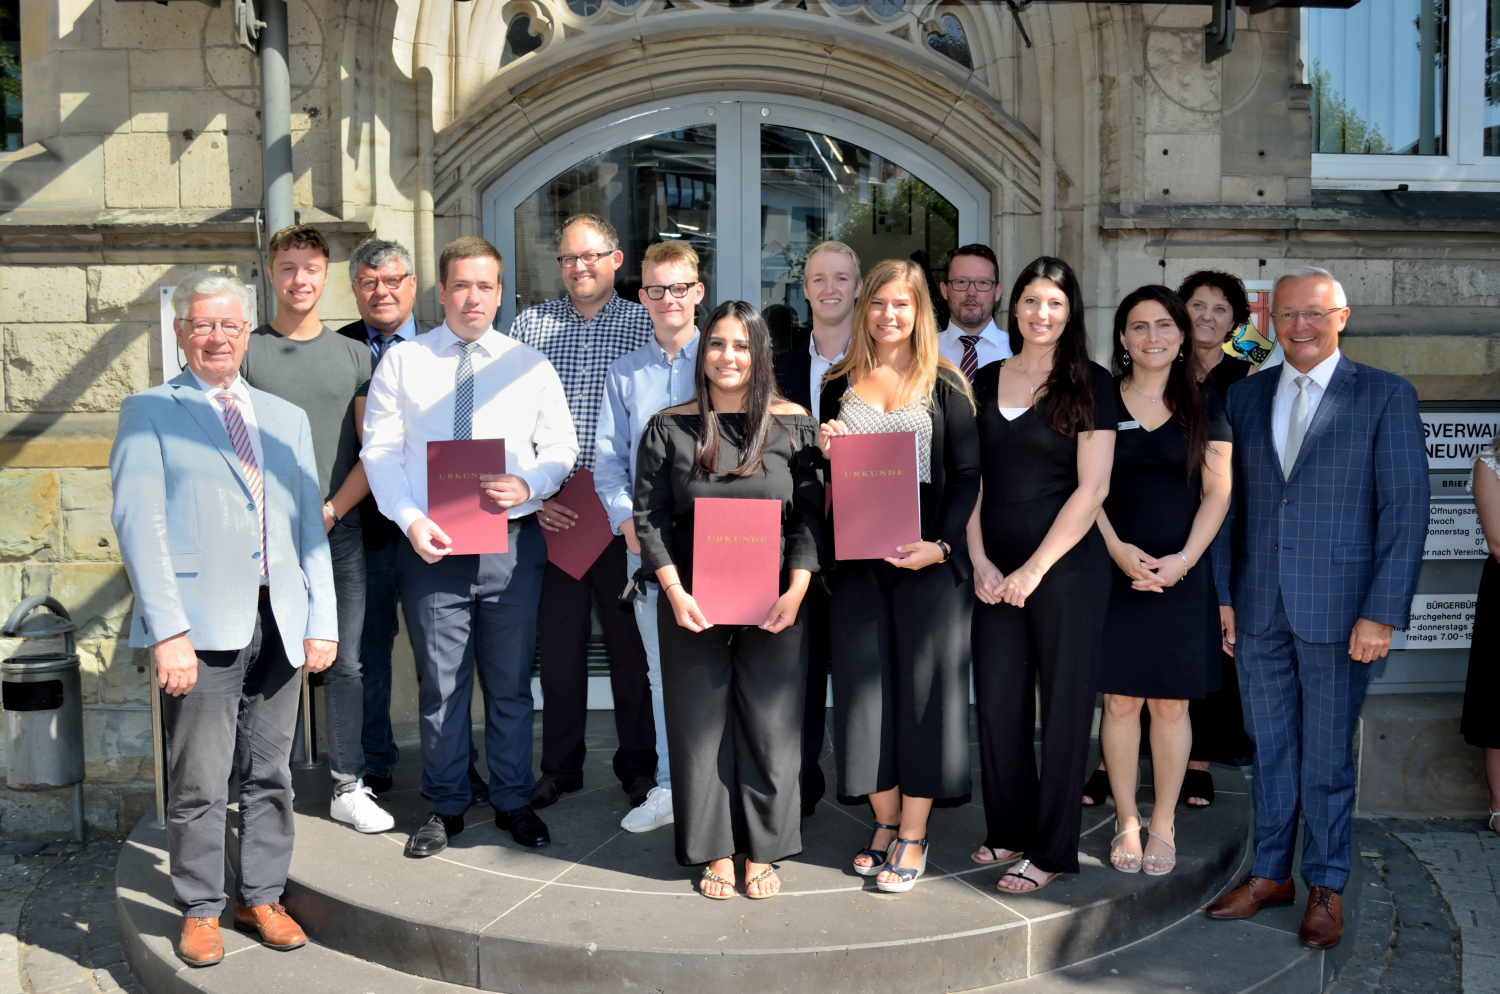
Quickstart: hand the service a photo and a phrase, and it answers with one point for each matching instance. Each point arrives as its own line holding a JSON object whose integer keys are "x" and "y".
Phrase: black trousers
{"x": 900, "y": 666}
{"x": 815, "y": 709}
{"x": 734, "y": 697}
{"x": 1057, "y": 636}
{"x": 563, "y": 627}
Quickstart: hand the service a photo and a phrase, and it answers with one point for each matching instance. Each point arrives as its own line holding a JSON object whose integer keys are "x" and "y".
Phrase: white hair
{"x": 201, "y": 284}
{"x": 1340, "y": 298}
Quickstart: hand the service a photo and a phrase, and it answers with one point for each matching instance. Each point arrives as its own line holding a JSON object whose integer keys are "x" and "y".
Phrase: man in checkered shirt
{"x": 581, "y": 334}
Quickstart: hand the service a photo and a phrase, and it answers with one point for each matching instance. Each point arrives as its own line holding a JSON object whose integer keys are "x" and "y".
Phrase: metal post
{"x": 1427, "y": 32}
{"x": 78, "y": 811}
{"x": 275, "y": 122}
{"x": 158, "y": 746}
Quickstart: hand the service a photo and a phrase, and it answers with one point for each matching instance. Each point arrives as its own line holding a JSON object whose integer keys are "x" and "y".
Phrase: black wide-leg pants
{"x": 1058, "y": 637}
{"x": 734, "y": 696}
{"x": 900, "y": 663}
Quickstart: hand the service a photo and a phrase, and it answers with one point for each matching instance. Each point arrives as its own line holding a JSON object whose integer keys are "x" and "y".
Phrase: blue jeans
{"x": 343, "y": 687}
{"x": 381, "y": 753}
{"x": 645, "y": 620}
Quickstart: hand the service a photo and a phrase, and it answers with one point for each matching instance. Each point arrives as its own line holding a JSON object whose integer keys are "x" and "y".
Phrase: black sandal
{"x": 1198, "y": 783}
{"x": 1097, "y": 789}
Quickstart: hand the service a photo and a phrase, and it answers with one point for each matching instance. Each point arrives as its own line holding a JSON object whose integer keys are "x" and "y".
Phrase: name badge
{"x": 1127, "y": 425}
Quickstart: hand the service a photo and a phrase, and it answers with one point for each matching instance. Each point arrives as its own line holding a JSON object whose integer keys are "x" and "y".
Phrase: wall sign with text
{"x": 1438, "y": 621}
{"x": 1454, "y": 438}
{"x": 1454, "y": 532}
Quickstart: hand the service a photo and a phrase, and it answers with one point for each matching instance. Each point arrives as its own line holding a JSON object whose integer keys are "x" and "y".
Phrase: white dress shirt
{"x": 517, "y": 397}
{"x": 817, "y": 369}
{"x": 1286, "y": 392}
{"x": 240, "y": 391}
{"x": 993, "y": 345}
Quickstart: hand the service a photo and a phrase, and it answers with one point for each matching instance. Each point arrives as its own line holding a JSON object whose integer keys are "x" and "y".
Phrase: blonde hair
{"x": 830, "y": 246}
{"x": 921, "y": 375}
{"x": 665, "y": 253}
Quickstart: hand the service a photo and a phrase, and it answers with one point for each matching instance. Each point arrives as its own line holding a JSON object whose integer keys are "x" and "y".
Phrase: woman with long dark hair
{"x": 733, "y": 693}
{"x": 1047, "y": 437}
{"x": 899, "y": 661}
{"x": 1168, "y": 493}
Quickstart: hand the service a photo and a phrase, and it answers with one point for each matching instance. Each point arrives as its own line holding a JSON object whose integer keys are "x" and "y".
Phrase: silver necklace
{"x": 1143, "y": 394}
{"x": 1028, "y": 377}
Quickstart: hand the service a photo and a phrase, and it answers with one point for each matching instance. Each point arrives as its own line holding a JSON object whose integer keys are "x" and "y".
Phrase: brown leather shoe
{"x": 1323, "y": 925}
{"x": 201, "y": 943}
{"x": 1251, "y": 895}
{"x": 275, "y": 926}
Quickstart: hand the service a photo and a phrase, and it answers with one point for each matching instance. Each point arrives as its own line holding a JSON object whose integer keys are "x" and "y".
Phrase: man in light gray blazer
{"x": 219, "y": 516}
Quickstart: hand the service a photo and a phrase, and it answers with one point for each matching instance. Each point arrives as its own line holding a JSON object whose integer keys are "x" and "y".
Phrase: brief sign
{"x": 1454, "y": 532}
{"x": 1438, "y": 621}
{"x": 1454, "y": 438}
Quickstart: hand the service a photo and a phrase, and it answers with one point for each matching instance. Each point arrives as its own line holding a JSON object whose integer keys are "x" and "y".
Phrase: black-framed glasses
{"x": 368, "y": 284}
{"x": 963, "y": 285}
{"x": 587, "y": 258}
{"x": 677, "y": 289}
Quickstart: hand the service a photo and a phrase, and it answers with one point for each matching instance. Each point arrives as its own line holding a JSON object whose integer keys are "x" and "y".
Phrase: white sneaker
{"x": 357, "y": 807}
{"x": 656, "y": 812}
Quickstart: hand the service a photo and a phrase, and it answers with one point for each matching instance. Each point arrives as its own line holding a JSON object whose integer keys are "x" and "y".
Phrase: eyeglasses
{"x": 587, "y": 258}
{"x": 1311, "y": 317}
{"x": 391, "y": 282}
{"x": 203, "y": 327}
{"x": 962, "y": 285}
{"x": 678, "y": 290}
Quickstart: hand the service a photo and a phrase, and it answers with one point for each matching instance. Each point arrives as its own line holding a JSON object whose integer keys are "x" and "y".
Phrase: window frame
{"x": 1464, "y": 167}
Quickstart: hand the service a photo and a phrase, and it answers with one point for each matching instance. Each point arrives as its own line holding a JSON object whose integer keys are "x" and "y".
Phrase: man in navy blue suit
{"x": 1328, "y": 522}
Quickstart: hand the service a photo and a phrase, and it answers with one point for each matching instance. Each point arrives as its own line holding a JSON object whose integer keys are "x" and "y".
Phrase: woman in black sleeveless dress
{"x": 1046, "y": 422}
{"x": 1480, "y": 724}
{"x": 1168, "y": 495}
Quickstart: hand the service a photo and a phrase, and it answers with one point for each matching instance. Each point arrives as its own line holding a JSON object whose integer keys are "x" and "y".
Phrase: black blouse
{"x": 667, "y": 482}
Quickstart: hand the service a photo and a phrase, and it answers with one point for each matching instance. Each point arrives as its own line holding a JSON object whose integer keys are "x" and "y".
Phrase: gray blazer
{"x": 188, "y": 529}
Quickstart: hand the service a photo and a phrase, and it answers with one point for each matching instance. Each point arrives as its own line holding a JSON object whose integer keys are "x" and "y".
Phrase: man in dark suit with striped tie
{"x": 1327, "y": 525}
{"x": 971, "y": 287}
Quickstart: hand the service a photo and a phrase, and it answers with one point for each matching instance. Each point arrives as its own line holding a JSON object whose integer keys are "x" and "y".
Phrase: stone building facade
{"x": 1096, "y": 132}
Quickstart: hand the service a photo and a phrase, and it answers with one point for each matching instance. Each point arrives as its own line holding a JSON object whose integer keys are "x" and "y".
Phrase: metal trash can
{"x": 43, "y": 698}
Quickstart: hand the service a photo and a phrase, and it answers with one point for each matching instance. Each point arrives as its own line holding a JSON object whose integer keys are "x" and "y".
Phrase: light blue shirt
{"x": 405, "y": 333}
{"x": 638, "y": 385}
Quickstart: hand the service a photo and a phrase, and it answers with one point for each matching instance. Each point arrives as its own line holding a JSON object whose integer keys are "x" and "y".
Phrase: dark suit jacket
{"x": 1340, "y": 537}
{"x": 792, "y": 369}
{"x": 375, "y": 527}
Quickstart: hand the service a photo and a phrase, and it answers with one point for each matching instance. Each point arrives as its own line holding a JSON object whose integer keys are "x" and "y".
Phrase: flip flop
{"x": 714, "y": 878}
{"x": 769, "y": 871}
{"x": 994, "y": 859}
{"x": 1020, "y": 871}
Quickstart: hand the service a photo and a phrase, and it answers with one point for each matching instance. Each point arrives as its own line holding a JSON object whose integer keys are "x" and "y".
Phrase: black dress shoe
{"x": 479, "y": 788}
{"x": 638, "y": 789}
{"x": 810, "y": 806}
{"x": 432, "y": 837}
{"x": 524, "y": 826}
{"x": 548, "y": 789}
{"x": 378, "y": 784}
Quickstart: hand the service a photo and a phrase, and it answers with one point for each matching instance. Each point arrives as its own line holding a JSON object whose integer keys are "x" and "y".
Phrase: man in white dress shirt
{"x": 971, "y": 286}
{"x": 465, "y": 380}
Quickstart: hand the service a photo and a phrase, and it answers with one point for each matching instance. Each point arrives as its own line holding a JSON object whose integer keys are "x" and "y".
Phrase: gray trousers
{"x": 241, "y": 712}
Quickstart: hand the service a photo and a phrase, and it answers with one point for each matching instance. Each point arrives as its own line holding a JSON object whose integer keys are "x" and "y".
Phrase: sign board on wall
{"x": 1454, "y": 438}
{"x": 1438, "y": 621}
{"x": 172, "y": 359}
{"x": 1454, "y": 532}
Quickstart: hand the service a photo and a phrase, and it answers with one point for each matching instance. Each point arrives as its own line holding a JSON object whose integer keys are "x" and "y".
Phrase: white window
{"x": 1405, "y": 91}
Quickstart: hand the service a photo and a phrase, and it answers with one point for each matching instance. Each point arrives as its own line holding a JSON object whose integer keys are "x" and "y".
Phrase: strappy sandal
{"x": 908, "y": 876}
{"x": 1170, "y": 862}
{"x": 769, "y": 871}
{"x": 1116, "y": 855}
{"x": 877, "y": 855}
{"x": 1493, "y": 816}
{"x": 995, "y": 858}
{"x": 1020, "y": 873}
{"x": 1198, "y": 783}
{"x": 1097, "y": 789}
{"x": 714, "y": 878}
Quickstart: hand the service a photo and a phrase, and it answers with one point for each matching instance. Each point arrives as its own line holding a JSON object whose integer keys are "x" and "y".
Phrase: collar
{"x": 489, "y": 343}
{"x": 690, "y": 350}
{"x": 1321, "y": 373}
{"x": 614, "y": 298}
{"x": 238, "y": 388}
{"x": 406, "y": 332}
{"x": 991, "y": 332}
{"x": 812, "y": 350}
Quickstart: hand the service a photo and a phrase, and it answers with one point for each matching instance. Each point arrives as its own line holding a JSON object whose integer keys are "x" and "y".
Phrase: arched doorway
{"x": 751, "y": 180}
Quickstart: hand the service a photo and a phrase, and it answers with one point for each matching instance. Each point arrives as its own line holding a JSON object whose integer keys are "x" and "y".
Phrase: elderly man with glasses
{"x": 218, "y": 508}
{"x": 581, "y": 334}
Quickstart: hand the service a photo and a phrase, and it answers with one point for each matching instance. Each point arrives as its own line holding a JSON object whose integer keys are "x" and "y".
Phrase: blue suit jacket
{"x": 1342, "y": 538}
{"x": 189, "y": 532}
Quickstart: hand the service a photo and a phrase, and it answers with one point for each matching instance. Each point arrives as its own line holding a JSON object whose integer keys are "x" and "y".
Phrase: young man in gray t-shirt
{"x": 322, "y": 372}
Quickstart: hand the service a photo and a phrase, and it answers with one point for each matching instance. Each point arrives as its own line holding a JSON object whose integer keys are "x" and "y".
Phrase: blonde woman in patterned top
{"x": 899, "y": 626}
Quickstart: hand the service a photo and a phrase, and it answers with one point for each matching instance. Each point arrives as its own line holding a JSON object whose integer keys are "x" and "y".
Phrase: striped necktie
{"x": 463, "y": 394}
{"x": 969, "y": 364}
{"x": 239, "y": 437}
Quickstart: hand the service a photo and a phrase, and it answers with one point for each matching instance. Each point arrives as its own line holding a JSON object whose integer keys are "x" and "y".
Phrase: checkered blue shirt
{"x": 581, "y": 351}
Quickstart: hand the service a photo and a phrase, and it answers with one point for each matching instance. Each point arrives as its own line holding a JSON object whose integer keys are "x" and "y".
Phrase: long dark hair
{"x": 1069, "y": 397}
{"x": 763, "y": 393}
{"x": 1182, "y": 395}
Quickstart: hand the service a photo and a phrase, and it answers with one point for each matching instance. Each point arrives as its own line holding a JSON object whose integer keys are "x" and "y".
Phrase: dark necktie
{"x": 382, "y": 343}
{"x": 970, "y": 362}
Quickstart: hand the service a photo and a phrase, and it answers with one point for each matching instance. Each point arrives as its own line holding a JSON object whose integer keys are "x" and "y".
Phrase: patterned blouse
{"x": 862, "y": 419}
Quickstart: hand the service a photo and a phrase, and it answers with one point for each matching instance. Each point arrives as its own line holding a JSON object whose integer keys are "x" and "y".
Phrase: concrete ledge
{"x": 1412, "y": 761}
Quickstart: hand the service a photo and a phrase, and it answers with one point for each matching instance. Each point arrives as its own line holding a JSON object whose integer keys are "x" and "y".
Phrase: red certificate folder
{"x": 877, "y": 503}
{"x": 474, "y": 522}
{"x": 573, "y": 550}
{"x": 736, "y": 559}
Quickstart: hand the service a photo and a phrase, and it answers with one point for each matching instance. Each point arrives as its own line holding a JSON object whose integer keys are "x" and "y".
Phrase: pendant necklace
{"x": 1146, "y": 395}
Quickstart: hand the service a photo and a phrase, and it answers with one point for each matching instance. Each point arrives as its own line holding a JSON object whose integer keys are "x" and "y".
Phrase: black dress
{"x": 733, "y": 694}
{"x": 1227, "y": 373}
{"x": 1030, "y": 471}
{"x": 1164, "y": 645}
{"x": 1480, "y": 724}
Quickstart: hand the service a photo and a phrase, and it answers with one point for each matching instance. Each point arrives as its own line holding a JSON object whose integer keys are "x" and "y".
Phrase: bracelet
{"x": 1185, "y": 566}
{"x": 674, "y": 583}
{"x": 328, "y": 506}
{"x": 947, "y": 550}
